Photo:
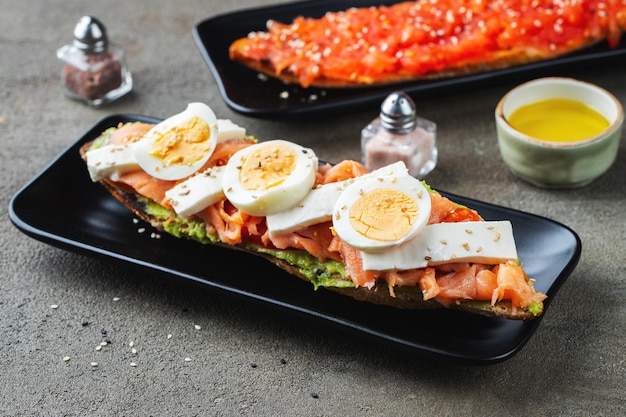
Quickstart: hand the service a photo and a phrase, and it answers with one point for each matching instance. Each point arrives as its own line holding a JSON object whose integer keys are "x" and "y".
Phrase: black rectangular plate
{"x": 244, "y": 92}
{"x": 90, "y": 221}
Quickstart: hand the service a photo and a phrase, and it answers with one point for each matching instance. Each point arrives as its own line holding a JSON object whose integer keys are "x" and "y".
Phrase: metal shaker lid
{"x": 397, "y": 113}
{"x": 90, "y": 35}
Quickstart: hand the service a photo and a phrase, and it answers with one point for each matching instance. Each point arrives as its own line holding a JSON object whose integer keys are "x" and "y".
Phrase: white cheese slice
{"x": 110, "y": 161}
{"x": 227, "y": 130}
{"x": 317, "y": 206}
{"x": 197, "y": 192}
{"x": 482, "y": 242}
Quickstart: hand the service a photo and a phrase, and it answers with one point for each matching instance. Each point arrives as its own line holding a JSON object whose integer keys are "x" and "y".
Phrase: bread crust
{"x": 502, "y": 60}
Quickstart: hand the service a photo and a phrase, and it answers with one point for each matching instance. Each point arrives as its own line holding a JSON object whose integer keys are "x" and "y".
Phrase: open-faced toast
{"x": 421, "y": 40}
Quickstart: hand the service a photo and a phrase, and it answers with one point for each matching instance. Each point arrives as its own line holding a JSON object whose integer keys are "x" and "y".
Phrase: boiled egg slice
{"x": 180, "y": 145}
{"x": 269, "y": 177}
{"x": 381, "y": 212}
{"x": 318, "y": 205}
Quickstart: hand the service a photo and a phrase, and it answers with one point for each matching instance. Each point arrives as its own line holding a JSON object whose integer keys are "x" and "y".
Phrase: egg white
{"x": 174, "y": 171}
{"x": 274, "y": 198}
{"x": 351, "y": 195}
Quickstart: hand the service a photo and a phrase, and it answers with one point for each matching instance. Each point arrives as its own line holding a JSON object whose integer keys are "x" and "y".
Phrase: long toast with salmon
{"x": 421, "y": 40}
{"x": 480, "y": 276}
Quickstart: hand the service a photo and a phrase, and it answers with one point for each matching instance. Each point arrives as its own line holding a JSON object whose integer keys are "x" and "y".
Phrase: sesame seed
{"x": 187, "y": 359}
{"x": 169, "y": 336}
{"x": 54, "y": 306}
{"x": 116, "y": 298}
{"x": 133, "y": 351}
{"x": 93, "y": 364}
{"x": 131, "y": 344}
{"x": 197, "y": 326}
{"x": 66, "y": 359}
{"x": 133, "y": 364}
{"x": 98, "y": 348}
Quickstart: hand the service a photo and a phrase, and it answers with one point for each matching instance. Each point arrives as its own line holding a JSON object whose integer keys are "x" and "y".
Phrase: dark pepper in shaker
{"x": 94, "y": 71}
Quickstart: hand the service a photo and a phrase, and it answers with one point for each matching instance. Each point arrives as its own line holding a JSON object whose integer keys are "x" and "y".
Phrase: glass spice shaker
{"x": 95, "y": 71}
{"x": 398, "y": 134}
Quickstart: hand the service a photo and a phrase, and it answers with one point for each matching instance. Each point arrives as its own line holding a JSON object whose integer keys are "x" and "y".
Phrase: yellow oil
{"x": 558, "y": 120}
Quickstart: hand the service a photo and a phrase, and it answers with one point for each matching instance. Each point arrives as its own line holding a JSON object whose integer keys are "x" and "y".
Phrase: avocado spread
{"x": 327, "y": 273}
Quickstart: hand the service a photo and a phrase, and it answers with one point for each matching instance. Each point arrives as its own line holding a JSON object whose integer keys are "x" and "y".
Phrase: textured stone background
{"x": 248, "y": 359}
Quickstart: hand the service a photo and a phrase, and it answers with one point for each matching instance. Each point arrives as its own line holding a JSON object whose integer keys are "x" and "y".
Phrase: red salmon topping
{"x": 446, "y": 283}
{"x": 420, "y": 38}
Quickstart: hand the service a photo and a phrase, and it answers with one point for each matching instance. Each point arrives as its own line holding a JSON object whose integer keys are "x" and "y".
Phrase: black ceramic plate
{"x": 245, "y": 92}
{"x": 92, "y": 222}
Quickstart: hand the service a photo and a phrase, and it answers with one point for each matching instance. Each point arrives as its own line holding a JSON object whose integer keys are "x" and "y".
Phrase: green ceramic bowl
{"x": 551, "y": 164}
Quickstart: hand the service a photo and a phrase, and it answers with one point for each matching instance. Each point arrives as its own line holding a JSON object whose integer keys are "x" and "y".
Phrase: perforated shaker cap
{"x": 90, "y": 35}
{"x": 397, "y": 113}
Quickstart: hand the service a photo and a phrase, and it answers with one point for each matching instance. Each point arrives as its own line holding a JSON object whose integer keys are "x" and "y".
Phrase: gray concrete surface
{"x": 574, "y": 364}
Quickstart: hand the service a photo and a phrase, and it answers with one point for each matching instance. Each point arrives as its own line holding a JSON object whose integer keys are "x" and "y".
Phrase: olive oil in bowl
{"x": 558, "y": 132}
{"x": 558, "y": 120}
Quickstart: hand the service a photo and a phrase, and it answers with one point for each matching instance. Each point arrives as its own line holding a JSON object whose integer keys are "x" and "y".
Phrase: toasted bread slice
{"x": 403, "y": 297}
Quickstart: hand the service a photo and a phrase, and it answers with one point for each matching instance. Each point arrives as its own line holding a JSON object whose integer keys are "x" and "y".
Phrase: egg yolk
{"x": 384, "y": 215}
{"x": 185, "y": 144}
{"x": 267, "y": 167}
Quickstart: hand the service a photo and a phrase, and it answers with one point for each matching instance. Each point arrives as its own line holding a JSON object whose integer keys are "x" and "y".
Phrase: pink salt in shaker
{"x": 398, "y": 134}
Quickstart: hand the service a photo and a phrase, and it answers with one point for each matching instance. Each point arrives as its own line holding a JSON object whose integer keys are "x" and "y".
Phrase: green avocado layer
{"x": 320, "y": 273}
